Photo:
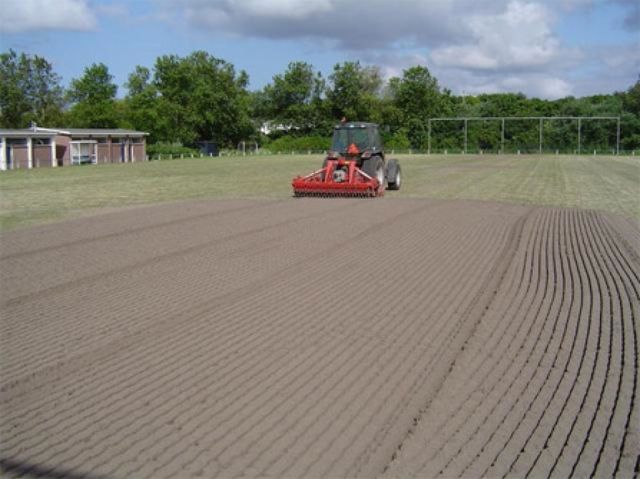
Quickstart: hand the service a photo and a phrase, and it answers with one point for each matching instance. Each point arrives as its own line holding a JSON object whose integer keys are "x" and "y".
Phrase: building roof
{"x": 39, "y": 132}
{"x": 26, "y": 133}
{"x": 102, "y": 132}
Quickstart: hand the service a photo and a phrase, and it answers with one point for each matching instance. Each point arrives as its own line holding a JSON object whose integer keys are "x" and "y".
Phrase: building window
{"x": 83, "y": 152}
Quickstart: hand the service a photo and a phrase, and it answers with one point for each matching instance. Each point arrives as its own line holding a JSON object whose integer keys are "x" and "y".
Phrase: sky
{"x": 543, "y": 48}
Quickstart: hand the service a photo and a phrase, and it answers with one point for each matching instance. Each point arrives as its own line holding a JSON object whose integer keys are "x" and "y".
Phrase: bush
{"x": 300, "y": 143}
{"x": 397, "y": 141}
{"x": 169, "y": 149}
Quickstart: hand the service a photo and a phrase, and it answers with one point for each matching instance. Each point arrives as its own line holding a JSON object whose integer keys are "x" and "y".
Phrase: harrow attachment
{"x": 339, "y": 178}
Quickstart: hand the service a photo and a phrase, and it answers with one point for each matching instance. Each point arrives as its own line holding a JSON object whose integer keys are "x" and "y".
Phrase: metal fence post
{"x": 465, "y": 136}
{"x": 541, "y": 125}
{"x": 579, "y": 127}
{"x": 618, "y": 138}
{"x": 540, "y": 139}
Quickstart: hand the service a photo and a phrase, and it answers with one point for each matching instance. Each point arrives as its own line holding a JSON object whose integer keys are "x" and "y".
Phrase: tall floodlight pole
{"x": 429, "y": 136}
{"x": 465, "y": 136}
{"x": 579, "y": 126}
{"x": 618, "y": 138}
{"x": 502, "y": 138}
{"x": 540, "y": 139}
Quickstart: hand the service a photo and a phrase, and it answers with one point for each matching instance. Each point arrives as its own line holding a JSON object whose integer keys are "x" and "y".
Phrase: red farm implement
{"x": 339, "y": 177}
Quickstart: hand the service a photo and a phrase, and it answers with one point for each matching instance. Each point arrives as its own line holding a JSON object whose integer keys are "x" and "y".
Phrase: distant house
{"x": 38, "y": 147}
{"x": 268, "y": 127}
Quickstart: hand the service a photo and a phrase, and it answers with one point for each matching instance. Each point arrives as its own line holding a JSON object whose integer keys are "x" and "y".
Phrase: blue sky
{"x": 543, "y": 48}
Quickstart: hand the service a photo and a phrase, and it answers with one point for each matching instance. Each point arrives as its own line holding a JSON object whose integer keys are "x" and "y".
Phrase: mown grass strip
{"x": 43, "y": 195}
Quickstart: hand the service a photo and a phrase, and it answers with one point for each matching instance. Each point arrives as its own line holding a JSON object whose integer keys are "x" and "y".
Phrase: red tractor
{"x": 355, "y": 166}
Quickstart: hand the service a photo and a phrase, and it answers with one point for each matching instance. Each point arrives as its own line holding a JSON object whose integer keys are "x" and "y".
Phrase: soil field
{"x": 322, "y": 338}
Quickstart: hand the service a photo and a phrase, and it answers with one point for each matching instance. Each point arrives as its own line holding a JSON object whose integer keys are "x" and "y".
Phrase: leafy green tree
{"x": 30, "y": 91}
{"x": 141, "y": 103}
{"x": 499, "y": 104}
{"x": 631, "y": 99}
{"x": 260, "y": 107}
{"x": 94, "y": 99}
{"x": 631, "y": 118}
{"x": 201, "y": 97}
{"x": 417, "y": 96}
{"x": 398, "y": 140}
{"x": 389, "y": 116}
{"x": 139, "y": 81}
{"x": 353, "y": 91}
{"x": 293, "y": 99}
{"x": 417, "y": 132}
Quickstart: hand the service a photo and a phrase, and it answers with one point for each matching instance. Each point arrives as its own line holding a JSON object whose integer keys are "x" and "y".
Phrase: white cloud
{"x": 571, "y": 5}
{"x": 518, "y": 38}
{"x": 292, "y": 9}
{"x": 27, "y": 15}
{"x": 120, "y": 10}
{"x": 392, "y": 64}
{"x": 468, "y": 56}
{"x": 515, "y": 50}
{"x": 532, "y": 84}
{"x": 469, "y": 45}
{"x": 354, "y": 25}
{"x": 549, "y": 87}
{"x": 609, "y": 68}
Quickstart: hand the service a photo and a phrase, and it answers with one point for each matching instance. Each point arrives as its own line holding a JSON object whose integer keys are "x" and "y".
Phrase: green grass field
{"x": 42, "y": 195}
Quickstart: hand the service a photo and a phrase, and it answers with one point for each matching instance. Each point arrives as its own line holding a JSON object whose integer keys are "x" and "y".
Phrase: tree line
{"x": 184, "y": 100}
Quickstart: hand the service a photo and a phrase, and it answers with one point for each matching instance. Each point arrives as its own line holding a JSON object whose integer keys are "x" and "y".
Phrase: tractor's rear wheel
{"x": 374, "y": 167}
{"x": 394, "y": 175}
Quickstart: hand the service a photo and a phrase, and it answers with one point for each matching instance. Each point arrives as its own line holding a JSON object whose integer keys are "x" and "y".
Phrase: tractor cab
{"x": 356, "y": 140}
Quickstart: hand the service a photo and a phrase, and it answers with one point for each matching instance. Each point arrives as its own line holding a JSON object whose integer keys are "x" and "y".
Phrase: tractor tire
{"x": 374, "y": 167}
{"x": 394, "y": 175}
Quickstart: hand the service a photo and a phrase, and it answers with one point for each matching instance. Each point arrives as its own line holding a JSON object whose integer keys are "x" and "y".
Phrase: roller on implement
{"x": 354, "y": 167}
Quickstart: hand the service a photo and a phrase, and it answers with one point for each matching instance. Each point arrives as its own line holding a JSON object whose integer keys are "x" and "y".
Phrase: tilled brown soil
{"x": 322, "y": 338}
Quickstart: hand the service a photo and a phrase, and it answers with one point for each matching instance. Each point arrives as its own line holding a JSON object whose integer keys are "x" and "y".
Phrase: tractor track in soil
{"x": 322, "y": 338}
